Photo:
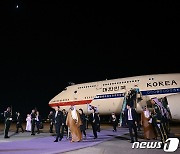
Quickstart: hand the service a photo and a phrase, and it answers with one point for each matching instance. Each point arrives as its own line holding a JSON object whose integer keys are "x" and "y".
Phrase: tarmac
{"x": 108, "y": 142}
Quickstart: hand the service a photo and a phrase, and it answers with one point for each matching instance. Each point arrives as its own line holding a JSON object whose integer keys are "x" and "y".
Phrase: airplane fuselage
{"x": 108, "y": 95}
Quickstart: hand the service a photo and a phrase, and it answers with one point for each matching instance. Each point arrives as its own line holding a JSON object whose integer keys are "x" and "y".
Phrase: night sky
{"x": 47, "y": 43}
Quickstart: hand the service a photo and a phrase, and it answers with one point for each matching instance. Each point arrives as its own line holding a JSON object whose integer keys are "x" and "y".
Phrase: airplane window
{"x": 75, "y": 91}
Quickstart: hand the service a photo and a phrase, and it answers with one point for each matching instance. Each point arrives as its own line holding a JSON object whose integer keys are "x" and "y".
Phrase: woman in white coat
{"x": 28, "y": 123}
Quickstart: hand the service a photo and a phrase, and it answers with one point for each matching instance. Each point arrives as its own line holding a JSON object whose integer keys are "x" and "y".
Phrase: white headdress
{"x": 74, "y": 113}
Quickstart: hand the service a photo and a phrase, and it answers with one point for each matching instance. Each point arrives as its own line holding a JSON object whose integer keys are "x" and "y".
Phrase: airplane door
{"x": 75, "y": 95}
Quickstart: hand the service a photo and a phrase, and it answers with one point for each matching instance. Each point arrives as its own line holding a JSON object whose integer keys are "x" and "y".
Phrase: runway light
{"x": 17, "y": 6}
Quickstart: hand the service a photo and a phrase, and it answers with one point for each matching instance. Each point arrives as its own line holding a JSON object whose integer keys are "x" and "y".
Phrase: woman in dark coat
{"x": 83, "y": 119}
{"x": 114, "y": 122}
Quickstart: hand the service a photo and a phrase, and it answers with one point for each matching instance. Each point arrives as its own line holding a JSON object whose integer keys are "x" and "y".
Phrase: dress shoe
{"x": 60, "y": 139}
{"x": 6, "y": 137}
{"x": 132, "y": 142}
{"x": 56, "y": 141}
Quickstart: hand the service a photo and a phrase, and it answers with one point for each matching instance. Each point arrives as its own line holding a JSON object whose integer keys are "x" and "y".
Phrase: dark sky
{"x": 47, "y": 43}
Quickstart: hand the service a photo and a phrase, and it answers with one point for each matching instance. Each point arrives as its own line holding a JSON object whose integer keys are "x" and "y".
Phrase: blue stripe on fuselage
{"x": 147, "y": 92}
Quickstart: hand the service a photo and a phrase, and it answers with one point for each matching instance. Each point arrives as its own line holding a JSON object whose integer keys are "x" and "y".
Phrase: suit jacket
{"x": 134, "y": 115}
{"x": 94, "y": 120}
{"x": 51, "y": 117}
{"x": 33, "y": 117}
{"x": 7, "y": 116}
{"x": 19, "y": 120}
{"x": 59, "y": 118}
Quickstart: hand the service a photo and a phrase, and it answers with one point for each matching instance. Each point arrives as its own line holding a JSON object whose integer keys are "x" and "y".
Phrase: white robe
{"x": 28, "y": 123}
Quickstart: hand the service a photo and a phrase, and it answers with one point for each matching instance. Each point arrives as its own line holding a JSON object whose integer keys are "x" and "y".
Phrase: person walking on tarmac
{"x": 113, "y": 120}
{"x": 51, "y": 120}
{"x": 19, "y": 121}
{"x": 8, "y": 119}
{"x": 94, "y": 120}
{"x": 33, "y": 121}
{"x": 157, "y": 120}
{"x": 131, "y": 120}
{"x": 58, "y": 119}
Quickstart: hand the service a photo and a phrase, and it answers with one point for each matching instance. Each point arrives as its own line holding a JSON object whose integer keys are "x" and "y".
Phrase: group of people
{"x": 36, "y": 121}
{"x": 32, "y": 120}
{"x": 74, "y": 122}
{"x": 155, "y": 122}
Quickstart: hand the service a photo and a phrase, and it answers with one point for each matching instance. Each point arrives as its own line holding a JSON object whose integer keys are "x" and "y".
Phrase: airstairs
{"x": 132, "y": 97}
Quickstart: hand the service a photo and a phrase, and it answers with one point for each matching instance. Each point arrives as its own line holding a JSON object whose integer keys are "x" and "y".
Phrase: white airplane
{"x": 108, "y": 95}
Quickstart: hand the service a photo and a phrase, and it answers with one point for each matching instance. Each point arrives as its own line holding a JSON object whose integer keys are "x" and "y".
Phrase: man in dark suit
{"x": 131, "y": 120}
{"x": 8, "y": 119}
{"x": 19, "y": 122}
{"x": 58, "y": 119}
{"x": 64, "y": 126}
{"x": 94, "y": 120}
{"x": 33, "y": 121}
{"x": 51, "y": 120}
{"x": 38, "y": 121}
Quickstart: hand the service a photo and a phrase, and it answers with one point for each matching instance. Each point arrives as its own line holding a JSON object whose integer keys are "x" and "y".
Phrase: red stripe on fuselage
{"x": 71, "y": 103}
